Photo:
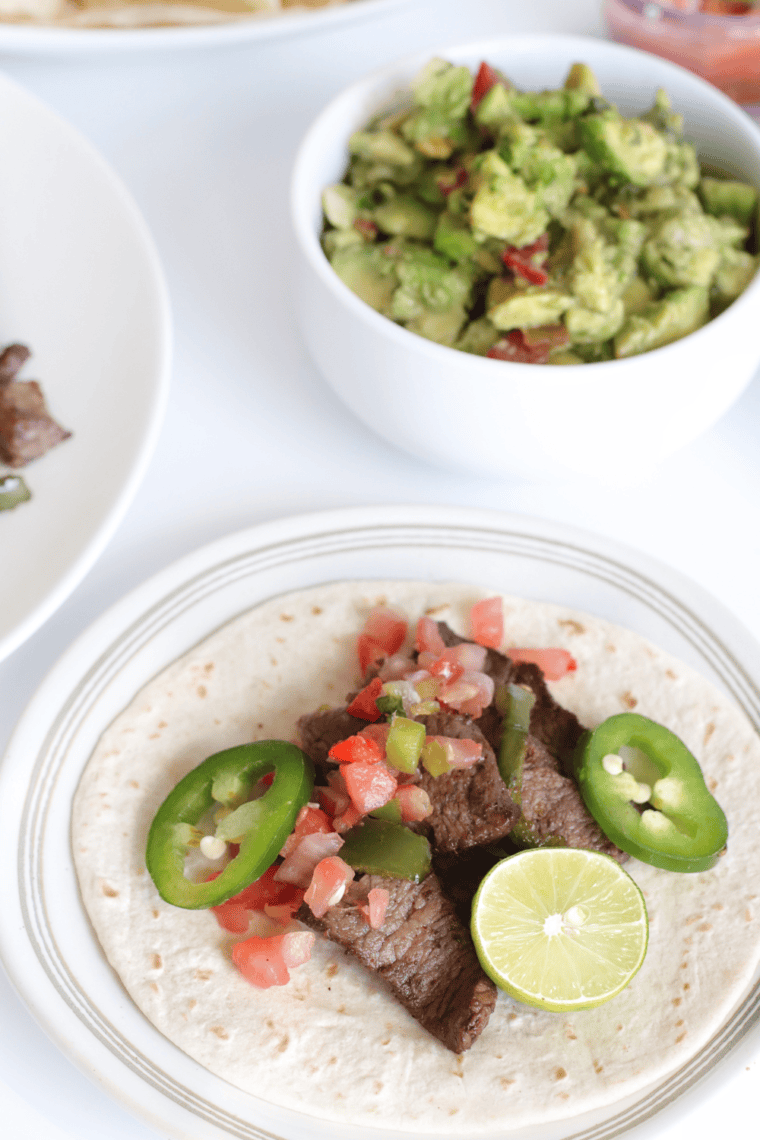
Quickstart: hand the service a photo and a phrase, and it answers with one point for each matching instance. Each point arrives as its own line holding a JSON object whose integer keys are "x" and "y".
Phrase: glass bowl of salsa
{"x": 717, "y": 39}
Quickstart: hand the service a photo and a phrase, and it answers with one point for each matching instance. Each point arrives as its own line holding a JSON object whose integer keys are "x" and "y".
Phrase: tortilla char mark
{"x": 422, "y": 952}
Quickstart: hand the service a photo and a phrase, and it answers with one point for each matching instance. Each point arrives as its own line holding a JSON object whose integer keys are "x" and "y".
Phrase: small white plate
{"x": 46, "y": 942}
{"x": 40, "y": 39}
{"x": 81, "y": 285}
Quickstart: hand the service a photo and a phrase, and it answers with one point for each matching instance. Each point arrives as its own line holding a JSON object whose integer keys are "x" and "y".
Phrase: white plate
{"x": 81, "y": 285}
{"x": 45, "y": 939}
{"x": 28, "y": 39}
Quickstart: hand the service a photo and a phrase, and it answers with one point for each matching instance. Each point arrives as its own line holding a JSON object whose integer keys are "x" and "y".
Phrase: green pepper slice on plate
{"x": 260, "y": 826}
{"x": 382, "y": 847}
{"x": 646, "y": 791}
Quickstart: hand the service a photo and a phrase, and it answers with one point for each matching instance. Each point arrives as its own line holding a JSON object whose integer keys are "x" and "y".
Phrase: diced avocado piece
{"x": 637, "y": 294}
{"x": 381, "y": 146}
{"x": 495, "y": 108}
{"x": 662, "y": 116}
{"x": 427, "y": 284}
{"x": 565, "y": 357}
{"x": 442, "y": 94}
{"x": 593, "y": 278}
{"x": 681, "y": 165}
{"x": 721, "y": 197}
{"x": 440, "y": 84}
{"x": 406, "y": 217}
{"x": 477, "y": 337}
{"x": 630, "y": 148}
{"x": 333, "y": 240}
{"x": 733, "y": 275}
{"x": 658, "y": 199}
{"x": 453, "y": 238}
{"x": 683, "y": 249}
{"x": 369, "y": 273}
{"x": 549, "y": 107}
{"x": 580, "y": 77}
{"x": 339, "y": 205}
{"x": 443, "y": 328}
{"x": 503, "y": 206}
{"x": 678, "y": 313}
{"x": 587, "y": 326}
{"x": 542, "y": 166}
{"x": 529, "y": 308}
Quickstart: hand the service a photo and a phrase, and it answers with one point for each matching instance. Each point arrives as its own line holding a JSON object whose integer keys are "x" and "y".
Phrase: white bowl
{"x": 488, "y": 416}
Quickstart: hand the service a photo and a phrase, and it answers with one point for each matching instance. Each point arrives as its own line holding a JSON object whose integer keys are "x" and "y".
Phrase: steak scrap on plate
{"x": 27, "y": 430}
{"x": 422, "y": 952}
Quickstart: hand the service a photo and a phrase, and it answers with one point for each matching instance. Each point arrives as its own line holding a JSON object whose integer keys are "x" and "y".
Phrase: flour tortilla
{"x": 333, "y": 1043}
{"x": 148, "y": 13}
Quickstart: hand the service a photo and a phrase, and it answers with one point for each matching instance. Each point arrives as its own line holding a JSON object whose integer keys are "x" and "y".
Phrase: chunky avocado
{"x": 465, "y": 214}
{"x": 680, "y": 312}
{"x": 737, "y": 200}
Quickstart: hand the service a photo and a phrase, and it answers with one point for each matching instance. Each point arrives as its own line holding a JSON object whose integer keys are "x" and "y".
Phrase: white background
{"x": 204, "y": 140}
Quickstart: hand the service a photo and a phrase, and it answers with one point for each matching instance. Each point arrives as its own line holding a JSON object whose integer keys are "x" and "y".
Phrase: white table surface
{"x": 204, "y": 140}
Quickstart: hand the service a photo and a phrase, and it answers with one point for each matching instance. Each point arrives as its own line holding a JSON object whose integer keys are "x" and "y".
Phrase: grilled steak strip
{"x": 422, "y": 952}
{"x": 551, "y": 804}
{"x": 556, "y": 727}
{"x": 27, "y": 430}
{"x": 471, "y": 806}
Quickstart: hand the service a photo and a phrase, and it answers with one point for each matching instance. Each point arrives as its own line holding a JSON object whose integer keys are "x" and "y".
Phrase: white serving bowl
{"x": 494, "y": 417}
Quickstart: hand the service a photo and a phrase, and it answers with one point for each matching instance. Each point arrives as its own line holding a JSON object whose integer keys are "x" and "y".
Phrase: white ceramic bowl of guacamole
{"x": 456, "y": 409}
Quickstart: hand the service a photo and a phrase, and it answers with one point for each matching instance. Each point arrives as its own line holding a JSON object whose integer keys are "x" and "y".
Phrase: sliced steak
{"x": 422, "y": 952}
{"x": 556, "y": 727}
{"x": 471, "y": 806}
{"x": 552, "y": 806}
{"x": 27, "y": 430}
{"x": 12, "y": 359}
{"x": 319, "y": 731}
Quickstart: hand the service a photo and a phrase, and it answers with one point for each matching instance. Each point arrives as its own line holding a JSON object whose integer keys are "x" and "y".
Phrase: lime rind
{"x": 560, "y": 928}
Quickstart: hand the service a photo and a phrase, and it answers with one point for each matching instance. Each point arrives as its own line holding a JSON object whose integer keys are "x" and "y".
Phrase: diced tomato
{"x": 414, "y": 803}
{"x": 447, "y": 668}
{"x": 546, "y": 336}
{"x": 309, "y": 820}
{"x": 378, "y": 733}
{"x": 265, "y": 962}
{"x": 363, "y": 705}
{"x": 449, "y": 180}
{"x": 232, "y": 916}
{"x": 369, "y": 785}
{"x": 487, "y": 622}
{"x": 513, "y": 347}
{"x": 299, "y": 865}
{"x": 485, "y": 79}
{"x": 375, "y": 907}
{"x": 459, "y": 753}
{"x": 366, "y": 227}
{"x": 427, "y": 638}
{"x": 359, "y": 749}
{"x": 382, "y": 635}
{"x": 526, "y": 260}
{"x": 553, "y": 663}
{"x": 328, "y": 884}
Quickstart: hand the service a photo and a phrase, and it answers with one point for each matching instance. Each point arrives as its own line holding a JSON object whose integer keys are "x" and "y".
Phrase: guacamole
{"x": 536, "y": 226}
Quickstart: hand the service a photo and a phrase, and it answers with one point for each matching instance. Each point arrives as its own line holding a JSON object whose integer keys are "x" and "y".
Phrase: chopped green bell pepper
{"x": 380, "y": 847}
{"x": 646, "y": 791}
{"x": 261, "y": 826}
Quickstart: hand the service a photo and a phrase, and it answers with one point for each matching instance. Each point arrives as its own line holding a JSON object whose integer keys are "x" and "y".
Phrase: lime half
{"x": 560, "y": 928}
